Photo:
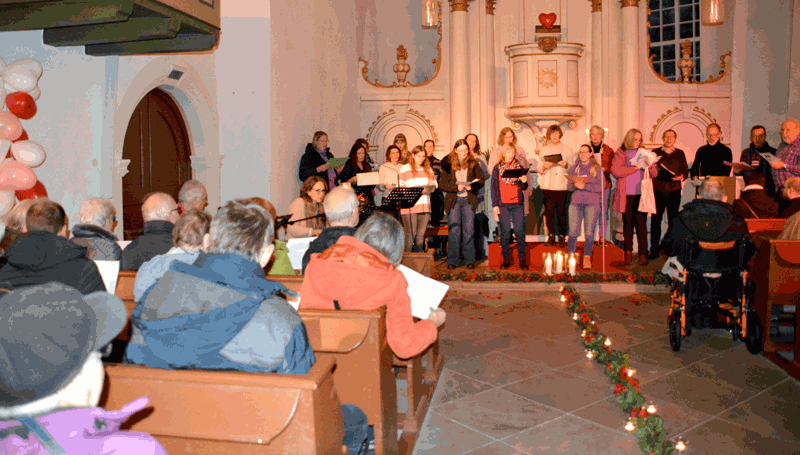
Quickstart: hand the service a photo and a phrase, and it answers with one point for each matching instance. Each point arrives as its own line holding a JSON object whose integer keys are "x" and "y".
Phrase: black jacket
{"x": 703, "y": 220}
{"x": 157, "y": 239}
{"x": 449, "y": 186}
{"x": 311, "y": 161}
{"x": 40, "y": 257}
{"x": 102, "y": 244}
{"x": 756, "y": 204}
{"x": 708, "y": 161}
{"x": 327, "y": 238}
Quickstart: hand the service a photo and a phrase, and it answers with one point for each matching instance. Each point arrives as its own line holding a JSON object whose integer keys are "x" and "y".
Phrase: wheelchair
{"x": 715, "y": 282}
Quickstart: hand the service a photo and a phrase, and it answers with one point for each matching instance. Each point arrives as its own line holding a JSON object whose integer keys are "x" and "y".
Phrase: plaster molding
{"x": 459, "y": 5}
{"x": 597, "y": 5}
{"x": 626, "y": 3}
{"x": 697, "y": 116}
{"x": 403, "y": 115}
{"x": 120, "y": 168}
{"x": 490, "y": 7}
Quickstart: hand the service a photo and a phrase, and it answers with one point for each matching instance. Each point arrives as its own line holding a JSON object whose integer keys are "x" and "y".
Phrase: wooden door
{"x": 157, "y": 144}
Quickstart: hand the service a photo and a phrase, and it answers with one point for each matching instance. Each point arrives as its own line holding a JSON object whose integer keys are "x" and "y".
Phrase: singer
{"x": 308, "y": 205}
{"x": 389, "y": 172}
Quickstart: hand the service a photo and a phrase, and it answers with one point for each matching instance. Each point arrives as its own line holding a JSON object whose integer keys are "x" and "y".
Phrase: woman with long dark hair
{"x": 356, "y": 165}
{"x": 461, "y": 181}
{"x": 584, "y": 208}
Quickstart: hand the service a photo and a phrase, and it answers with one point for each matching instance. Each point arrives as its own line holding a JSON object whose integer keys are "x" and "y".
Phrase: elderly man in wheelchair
{"x": 709, "y": 250}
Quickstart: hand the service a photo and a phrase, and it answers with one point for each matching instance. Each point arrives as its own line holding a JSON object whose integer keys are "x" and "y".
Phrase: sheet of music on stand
{"x": 425, "y": 293}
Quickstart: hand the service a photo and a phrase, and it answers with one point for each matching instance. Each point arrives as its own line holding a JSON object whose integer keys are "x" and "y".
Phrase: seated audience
{"x": 187, "y": 238}
{"x": 360, "y": 273}
{"x": 160, "y": 213}
{"x": 707, "y": 219}
{"x": 50, "y": 342}
{"x": 791, "y": 229}
{"x": 45, "y": 254}
{"x": 97, "y": 219}
{"x": 221, "y": 313}
{"x": 341, "y": 209}
{"x": 791, "y": 194}
{"x": 308, "y": 207}
{"x": 280, "y": 264}
{"x": 754, "y": 201}
{"x": 15, "y": 224}
{"x": 193, "y": 197}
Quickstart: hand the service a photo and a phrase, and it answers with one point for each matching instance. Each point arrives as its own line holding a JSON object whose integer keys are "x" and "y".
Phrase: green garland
{"x": 647, "y": 426}
{"x": 532, "y": 277}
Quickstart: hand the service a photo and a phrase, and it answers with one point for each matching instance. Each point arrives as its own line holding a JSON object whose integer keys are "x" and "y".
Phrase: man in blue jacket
{"x": 221, "y": 313}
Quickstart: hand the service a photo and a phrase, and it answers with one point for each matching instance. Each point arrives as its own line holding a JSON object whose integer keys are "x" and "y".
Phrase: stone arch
{"x": 414, "y": 125}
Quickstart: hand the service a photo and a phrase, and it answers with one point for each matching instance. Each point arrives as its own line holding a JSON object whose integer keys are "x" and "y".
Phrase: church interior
{"x": 190, "y": 98}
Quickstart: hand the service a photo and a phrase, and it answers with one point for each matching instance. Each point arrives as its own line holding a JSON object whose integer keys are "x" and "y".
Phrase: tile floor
{"x": 516, "y": 381}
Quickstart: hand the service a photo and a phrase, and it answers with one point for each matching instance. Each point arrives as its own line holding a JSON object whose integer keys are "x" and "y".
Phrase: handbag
{"x": 647, "y": 203}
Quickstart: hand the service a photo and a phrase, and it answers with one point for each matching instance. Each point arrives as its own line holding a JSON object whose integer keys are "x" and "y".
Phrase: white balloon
{"x": 19, "y": 79}
{"x": 6, "y": 201}
{"x": 30, "y": 65}
{"x": 29, "y": 153}
{"x": 35, "y": 93}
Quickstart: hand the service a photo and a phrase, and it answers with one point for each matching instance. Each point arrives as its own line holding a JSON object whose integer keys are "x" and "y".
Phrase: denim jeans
{"x": 513, "y": 214}
{"x": 602, "y": 221}
{"x": 461, "y": 238}
{"x": 355, "y": 427}
{"x": 585, "y": 214}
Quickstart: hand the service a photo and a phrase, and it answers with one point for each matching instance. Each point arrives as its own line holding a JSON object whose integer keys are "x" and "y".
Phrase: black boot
{"x": 506, "y": 262}
{"x": 562, "y": 241}
{"x": 551, "y": 240}
{"x": 523, "y": 264}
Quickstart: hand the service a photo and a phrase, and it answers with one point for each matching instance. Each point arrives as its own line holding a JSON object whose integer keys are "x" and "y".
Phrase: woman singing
{"x": 417, "y": 172}
{"x": 357, "y": 165}
{"x": 308, "y": 205}
{"x": 628, "y": 194}
{"x": 507, "y": 204}
{"x": 553, "y": 164}
{"x": 585, "y": 179}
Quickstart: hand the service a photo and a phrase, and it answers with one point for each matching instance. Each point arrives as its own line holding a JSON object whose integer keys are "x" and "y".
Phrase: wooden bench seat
{"x": 766, "y": 227}
{"x": 231, "y": 412}
{"x": 777, "y": 278}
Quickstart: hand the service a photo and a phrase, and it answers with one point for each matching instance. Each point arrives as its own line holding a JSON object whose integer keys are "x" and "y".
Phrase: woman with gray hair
{"x": 604, "y": 155}
{"x": 360, "y": 273}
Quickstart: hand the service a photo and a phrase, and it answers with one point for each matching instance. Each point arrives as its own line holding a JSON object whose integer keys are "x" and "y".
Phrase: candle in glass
{"x": 548, "y": 265}
{"x": 572, "y": 264}
{"x": 559, "y": 262}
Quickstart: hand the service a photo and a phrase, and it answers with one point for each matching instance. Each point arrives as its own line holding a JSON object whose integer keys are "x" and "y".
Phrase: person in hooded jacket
{"x": 360, "y": 273}
{"x": 97, "y": 219}
{"x": 45, "y": 254}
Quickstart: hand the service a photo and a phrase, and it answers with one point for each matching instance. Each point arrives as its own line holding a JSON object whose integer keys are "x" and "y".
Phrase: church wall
{"x": 313, "y": 73}
{"x": 794, "y": 75}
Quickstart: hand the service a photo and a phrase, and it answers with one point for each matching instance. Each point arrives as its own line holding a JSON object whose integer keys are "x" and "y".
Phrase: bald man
{"x": 341, "y": 211}
{"x": 193, "y": 196}
{"x": 160, "y": 213}
{"x": 788, "y": 164}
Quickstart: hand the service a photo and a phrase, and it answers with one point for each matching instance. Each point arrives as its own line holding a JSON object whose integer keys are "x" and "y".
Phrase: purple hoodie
{"x": 590, "y": 194}
{"x": 87, "y": 431}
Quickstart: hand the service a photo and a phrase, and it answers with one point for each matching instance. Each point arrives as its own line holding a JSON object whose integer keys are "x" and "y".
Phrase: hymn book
{"x": 425, "y": 293}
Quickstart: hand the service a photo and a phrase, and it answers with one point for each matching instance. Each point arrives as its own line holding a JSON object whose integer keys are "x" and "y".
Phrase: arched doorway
{"x": 157, "y": 143}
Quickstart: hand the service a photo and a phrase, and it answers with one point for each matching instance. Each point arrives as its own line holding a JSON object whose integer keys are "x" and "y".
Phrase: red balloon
{"x": 23, "y": 136}
{"x": 21, "y": 104}
{"x": 37, "y": 191}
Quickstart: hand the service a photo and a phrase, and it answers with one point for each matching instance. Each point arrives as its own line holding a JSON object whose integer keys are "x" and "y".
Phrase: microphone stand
{"x": 285, "y": 220}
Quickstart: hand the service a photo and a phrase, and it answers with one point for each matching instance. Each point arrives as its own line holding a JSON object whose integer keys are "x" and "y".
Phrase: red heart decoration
{"x": 547, "y": 20}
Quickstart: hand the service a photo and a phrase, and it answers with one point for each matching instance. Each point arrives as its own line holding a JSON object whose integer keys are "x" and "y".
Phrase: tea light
{"x": 607, "y": 342}
{"x": 651, "y": 409}
{"x": 630, "y": 425}
{"x": 574, "y": 316}
{"x": 630, "y": 372}
{"x": 589, "y": 354}
{"x": 680, "y": 446}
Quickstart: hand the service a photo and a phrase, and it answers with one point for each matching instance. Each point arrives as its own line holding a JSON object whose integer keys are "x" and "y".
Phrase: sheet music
{"x": 297, "y": 248}
{"x": 109, "y": 271}
{"x": 367, "y": 178}
{"x": 425, "y": 293}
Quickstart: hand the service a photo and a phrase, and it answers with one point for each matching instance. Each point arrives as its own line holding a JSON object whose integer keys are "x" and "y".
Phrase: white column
{"x": 597, "y": 63}
{"x": 629, "y": 41}
{"x": 459, "y": 82}
{"x": 491, "y": 91}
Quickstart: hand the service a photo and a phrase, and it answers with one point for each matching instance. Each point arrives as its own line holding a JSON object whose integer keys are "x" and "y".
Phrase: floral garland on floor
{"x": 644, "y": 423}
{"x": 533, "y": 277}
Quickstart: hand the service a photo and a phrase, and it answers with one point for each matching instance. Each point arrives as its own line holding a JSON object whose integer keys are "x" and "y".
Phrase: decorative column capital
{"x": 459, "y": 5}
{"x": 624, "y": 3}
{"x": 120, "y": 168}
{"x": 490, "y": 7}
{"x": 597, "y": 5}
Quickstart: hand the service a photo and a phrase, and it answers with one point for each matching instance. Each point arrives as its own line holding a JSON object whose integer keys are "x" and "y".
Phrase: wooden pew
{"x": 363, "y": 375}
{"x": 125, "y": 292}
{"x": 767, "y": 227}
{"x": 231, "y": 412}
{"x": 777, "y": 278}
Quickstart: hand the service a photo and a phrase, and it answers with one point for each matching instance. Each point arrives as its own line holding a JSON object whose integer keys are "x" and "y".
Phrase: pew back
{"x": 777, "y": 277}
{"x": 767, "y": 227}
{"x": 229, "y": 412}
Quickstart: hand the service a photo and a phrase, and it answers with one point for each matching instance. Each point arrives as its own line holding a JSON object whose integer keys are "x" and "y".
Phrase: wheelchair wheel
{"x": 675, "y": 331}
{"x": 755, "y": 334}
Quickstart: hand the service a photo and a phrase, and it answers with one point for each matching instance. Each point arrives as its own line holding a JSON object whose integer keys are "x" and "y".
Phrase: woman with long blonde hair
{"x": 628, "y": 194}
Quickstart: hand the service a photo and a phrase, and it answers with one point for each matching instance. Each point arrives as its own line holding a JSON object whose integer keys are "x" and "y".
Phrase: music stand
{"x": 401, "y": 198}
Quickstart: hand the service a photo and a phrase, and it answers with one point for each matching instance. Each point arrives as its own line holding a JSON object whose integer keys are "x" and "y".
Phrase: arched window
{"x": 671, "y": 22}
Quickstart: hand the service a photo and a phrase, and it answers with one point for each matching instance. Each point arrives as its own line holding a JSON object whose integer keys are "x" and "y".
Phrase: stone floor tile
{"x": 740, "y": 369}
{"x": 442, "y": 436}
{"x": 495, "y": 448}
{"x": 686, "y": 389}
{"x": 720, "y": 437}
{"x": 771, "y": 413}
{"x": 560, "y": 390}
{"x": 453, "y": 386}
{"x": 498, "y": 413}
{"x": 676, "y": 419}
{"x": 496, "y": 368}
{"x": 573, "y": 435}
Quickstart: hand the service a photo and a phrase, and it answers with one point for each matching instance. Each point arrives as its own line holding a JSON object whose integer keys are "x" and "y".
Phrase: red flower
{"x": 635, "y": 413}
{"x": 623, "y": 373}
{"x": 502, "y": 278}
{"x": 585, "y": 280}
{"x": 633, "y": 382}
{"x": 642, "y": 413}
{"x": 608, "y": 366}
{"x": 650, "y": 279}
{"x": 605, "y": 277}
{"x": 436, "y": 276}
{"x": 619, "y": 389}
{"x": 474, "y": 275}
{"x": 631, "y": 278}
{"x": 569, "y": 279}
